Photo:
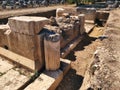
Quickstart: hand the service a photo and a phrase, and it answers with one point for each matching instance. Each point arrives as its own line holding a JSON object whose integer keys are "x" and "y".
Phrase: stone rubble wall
{"x": 90, "y": 13}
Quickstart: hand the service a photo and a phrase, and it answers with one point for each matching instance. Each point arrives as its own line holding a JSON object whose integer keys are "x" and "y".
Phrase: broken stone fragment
{"x": 59, "y": 12}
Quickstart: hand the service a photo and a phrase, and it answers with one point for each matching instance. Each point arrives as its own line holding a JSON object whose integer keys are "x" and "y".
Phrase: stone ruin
{"x": 90, "y": 13}
{"x": 41, "y": 39}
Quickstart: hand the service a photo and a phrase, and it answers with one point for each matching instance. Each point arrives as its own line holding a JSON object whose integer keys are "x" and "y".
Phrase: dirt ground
{"x": 81, "y": 58}
{"x": 104, "y": 71}
{"x": 17, "y": 12}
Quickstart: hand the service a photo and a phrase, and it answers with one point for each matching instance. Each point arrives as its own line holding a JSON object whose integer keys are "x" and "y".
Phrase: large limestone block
{"x": 27, "y": 24}
{"x": 30, "y": 47}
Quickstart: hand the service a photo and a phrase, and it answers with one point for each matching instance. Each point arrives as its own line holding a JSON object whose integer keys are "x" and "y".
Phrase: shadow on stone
{"x": 85, "y": 42}
{"x": 73, "y": 80}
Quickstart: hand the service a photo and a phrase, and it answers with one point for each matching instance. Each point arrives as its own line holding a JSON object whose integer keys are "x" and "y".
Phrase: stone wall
{"x": 27, "y": 36}
{"x": 90, "y": 13}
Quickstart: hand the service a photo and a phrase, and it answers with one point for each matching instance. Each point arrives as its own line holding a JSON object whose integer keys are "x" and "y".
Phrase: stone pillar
{"x": 52, "y": 51}
{"x": 82, "y": 23}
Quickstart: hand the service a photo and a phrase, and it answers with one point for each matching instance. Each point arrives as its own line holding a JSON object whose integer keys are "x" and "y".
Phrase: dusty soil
{"x": 17, "y": 12}
{"x": 81, "y": 58}
{"x": 104, "y": 72}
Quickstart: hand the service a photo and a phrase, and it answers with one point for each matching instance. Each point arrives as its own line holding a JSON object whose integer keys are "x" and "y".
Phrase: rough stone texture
{"x": 48, "y": 80}
{"x": 27, "y": 25}
{"x": 52, "y": 51}
{"x": 4, "y": 66}
{"x": 90, "y": 13}
{"x": 31, "y": 47}
{"x": 69, "y": 28}
{"x": 12, "y": 76}
{"x": 25, "y": 45}
{"x": 12, "y": 80}
{"x": 25, "y": 38}
{"x": 20, "y": 59}
{"x": 103, "y": 73}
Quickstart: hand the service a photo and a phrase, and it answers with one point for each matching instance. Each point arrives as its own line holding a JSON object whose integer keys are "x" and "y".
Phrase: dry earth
{"x": 104, "y": 71}
{"x": 17, "y": 12}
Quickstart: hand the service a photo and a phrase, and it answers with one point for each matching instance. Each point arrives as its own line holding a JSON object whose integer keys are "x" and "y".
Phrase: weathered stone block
{"x": 52, "y": 51}
{"x": 27, "y": 24}
{"x": 28, "y": 46}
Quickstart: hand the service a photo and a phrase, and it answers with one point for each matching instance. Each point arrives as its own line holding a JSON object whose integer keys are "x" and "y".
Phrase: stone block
{"x": 90, "y": 13}
{"x": 27, "y": 24}
{"x": 52, "y": 51}
{"x": 29, "y": 46}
